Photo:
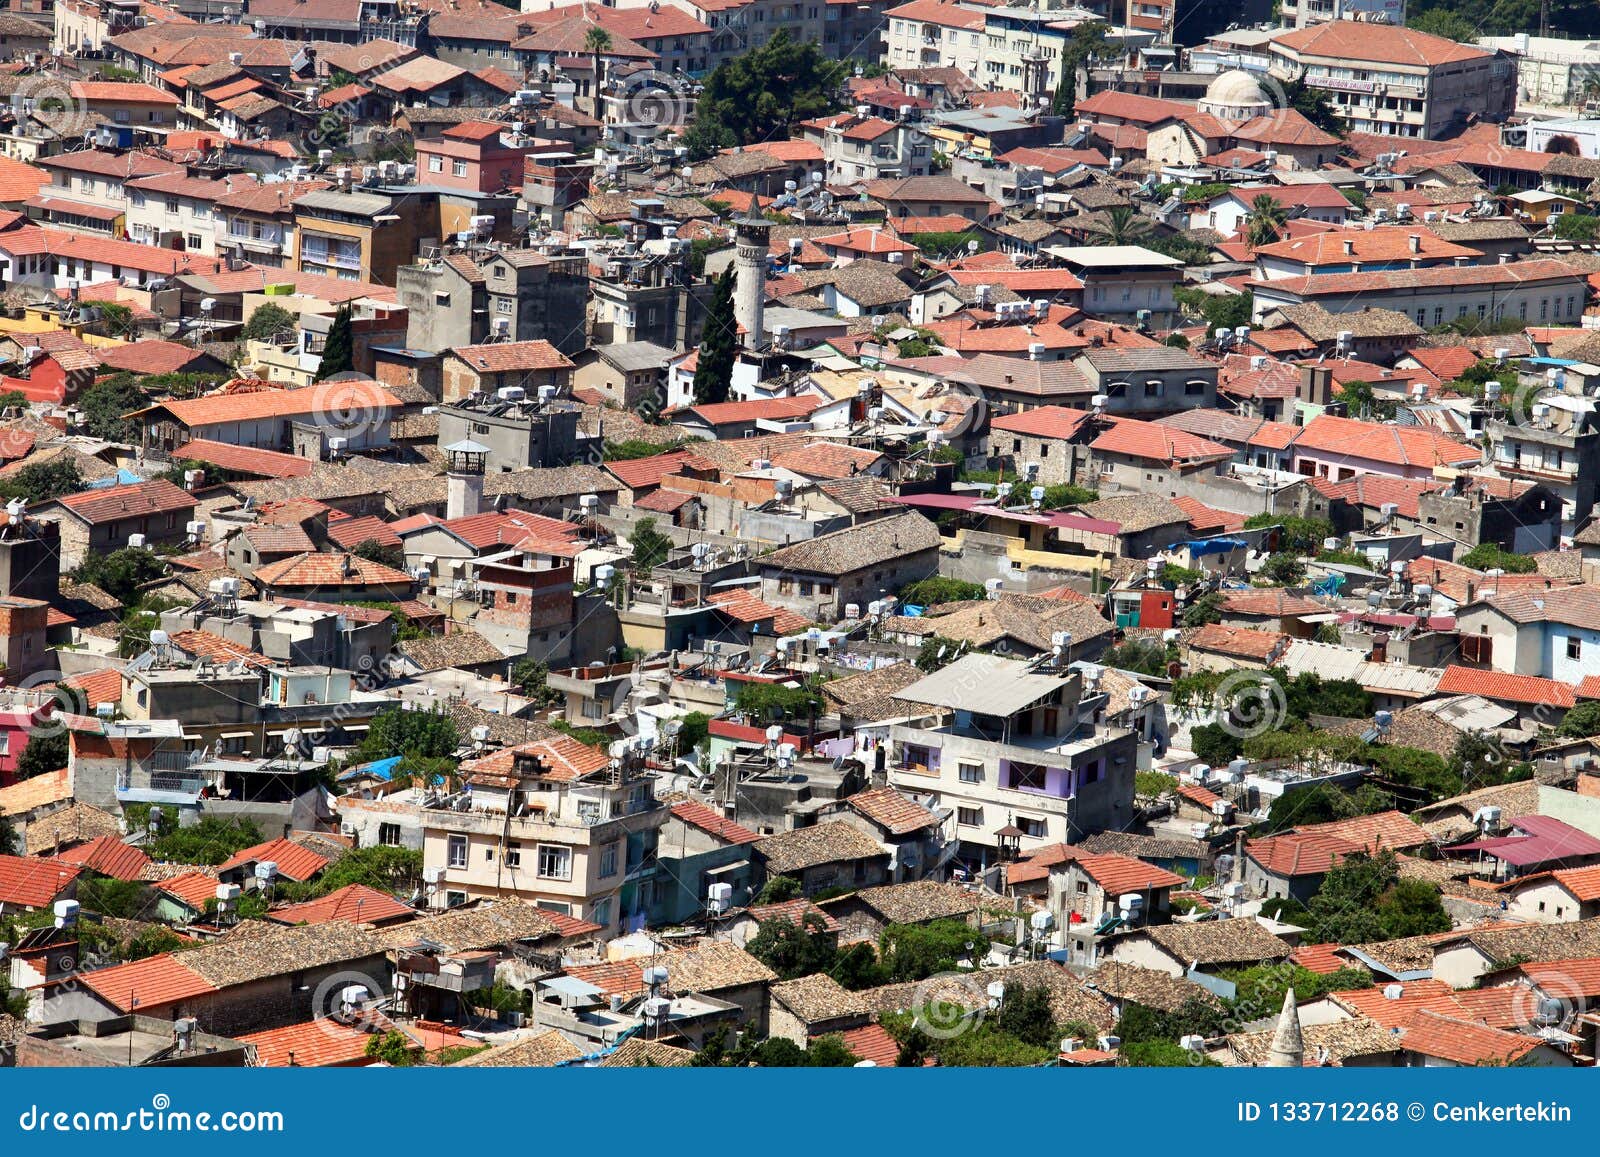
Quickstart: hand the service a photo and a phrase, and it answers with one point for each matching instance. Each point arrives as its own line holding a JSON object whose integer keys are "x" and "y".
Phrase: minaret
{"x": 464, "y": 478}
{"x": 751, "y": 235}
{"x": 1288, "y": 1049}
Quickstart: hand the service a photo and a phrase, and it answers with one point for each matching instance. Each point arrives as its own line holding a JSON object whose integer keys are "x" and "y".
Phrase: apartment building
{"x": 555, "y": 824}
{"x": 1396, "y": 81}
{"x": 1025, "y": 758}
{"x": 858, "y": 146}
{"x": 256, "y": 223}
{"x": 177, "y": 211}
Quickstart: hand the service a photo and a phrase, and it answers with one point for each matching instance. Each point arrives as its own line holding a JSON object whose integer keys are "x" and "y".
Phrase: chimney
{"x": 1472, "y": 589}
{"x": 1415, "y": 241}
{"x": 1349, "y": 248}
{"x": 1316, "y": 385}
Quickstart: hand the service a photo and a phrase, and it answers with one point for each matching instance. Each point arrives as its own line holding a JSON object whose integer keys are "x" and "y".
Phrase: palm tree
{"x": 1122, "y": 226}
{"x": 597, "y": 41}
{"x": 1266, "y": 221}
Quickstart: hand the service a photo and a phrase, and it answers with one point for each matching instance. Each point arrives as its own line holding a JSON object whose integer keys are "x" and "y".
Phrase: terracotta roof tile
{"x": 1502, "y": 687}
{"x": 154, "y": 981}
{"x": 294, "y": 862}
{"x": 26, "y": 882}
{"x": 107, "y": 856}
{"x": 700, "y": 816}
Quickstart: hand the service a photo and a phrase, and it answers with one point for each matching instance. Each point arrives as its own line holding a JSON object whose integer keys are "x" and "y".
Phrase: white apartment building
{"x": 554, "y": 824}
{"x": 1014, "y": 49}
{"x": 1397, "y": 81}
{"x": 176, "y": 211}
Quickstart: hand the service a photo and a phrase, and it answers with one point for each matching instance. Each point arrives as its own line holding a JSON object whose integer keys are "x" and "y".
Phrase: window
{"x": 389, "y": 835}
{"x": 608, "y": 862}
{"x": 488, "y": 855}
{"x": 970, "y": 772}
{"x": 458, "y": 851}
{"x": 969, "y": 817}
{"x": 555, "y": 862}
{"x": 514, "y": 855}
{"x": 458, "y": 168}
{"x": 435, "y": 164}
{"x": 600, "y": 912}
{"x": 1027, "y": 776}
{"x": 193, "y": 241}
{"x": 1034, "y": 829}
{"x": 1574, "y": 647}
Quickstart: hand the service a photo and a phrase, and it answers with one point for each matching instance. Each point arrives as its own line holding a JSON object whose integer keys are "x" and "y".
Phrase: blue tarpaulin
{"x": 1214, "y": 545}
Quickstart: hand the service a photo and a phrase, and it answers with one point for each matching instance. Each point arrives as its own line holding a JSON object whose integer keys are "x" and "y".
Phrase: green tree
{"x": 1215, "y": 745}
{"x": 268, "y": 320}
{"x": 426, "y": 734}
{"x": 1220, "y": 310}
{"x": 1026, "y": 1014}
{"x": 917, "y": 951}
{"x": 1121, "y": 225}
{"x": 778, "y": 889}
{"x": 8, "y": 837}
{"x": 1346, "y": 910}
{"x": 1490, "y": 556}
{"x": 693, "y": 730}
{"x": 1203, "y": 610}
{"x": 1360, "y": 401}
{"x": 105, "y": 404}
{"x": 936, "y": 652}
{"x": 1575, "y": 227}
{"x": 650, "y": 546}
{"x": 210, "y": 841}
{"x": 339, "y": 351}
{"x": 1412, "y": 908}
{"x": 1313, "y": 104}
{"x": 1443, "y": 22}
{"x": 42, "y": 755}
{"x": 1161, "y": 1054}
{"x": 1582, "y": 721}
{"x": 1266, "y": 220}
{"x": 530, "y": 675}
{"x": 597, "y": 42}
{"x": 1144, "y": 656}
{"x": 394, "y": 1048}
{"x": 719, "y": 344}
{"x": 42, "y": 481}
{"x": 122, "y": 572}
{"x": 1283, "y": 569}
{"x": 1295, "y": 535}
{"x": 396, "y": 871}
{"x": 760, "y": 95}
{"x": 792, "y": 950}
{"x": 1087, "y": 41}
{"x": 932, "y": 591}
{"x": 1065, "y": 494}
{"x": 374, "y": 551}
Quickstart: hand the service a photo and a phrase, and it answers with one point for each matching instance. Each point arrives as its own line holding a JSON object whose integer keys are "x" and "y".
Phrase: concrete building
{"x": 1395, "y": 81}
{"x": 823, "y": 576}
{"x": 516, "y": 434}
{"x": 1022, "y": 760}
{"x": 513, "y": 295}
{"x": 553, "y": 824}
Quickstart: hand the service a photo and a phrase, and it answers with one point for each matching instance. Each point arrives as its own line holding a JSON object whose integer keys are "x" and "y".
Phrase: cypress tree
{"x": 718, "y": 344}
{"x": 339, "y": 354}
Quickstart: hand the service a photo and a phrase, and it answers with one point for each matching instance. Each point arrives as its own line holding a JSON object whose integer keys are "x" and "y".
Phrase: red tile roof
{"x": 1378, "y": 44}
{"x": 1391, "y": 1011}
{"x": 96, "y": 687}
{"x": 512, "y": 356}
{"x": 777, "y": 409}
{"x": 154, "y": 981}
{"x": 112, "y": 504}
{"x": 892, "y": 811}
{"x": 294, "y": 862}
{"x": 698, "y": 815}
{"x": 872, "y": 1042}
{"x": 352, "y": 532}
{"x": 194, "y": 888}
{"x": 205, "y": 644}
{"x": 745, "y": 607}
{"x": 321, "y": 1042}
{"x": 1394, "y": 445}
{"x": 638, "y": 473}
{"x": 1243, "y": 642}
{"x": 346, "y": 397}
{"x": 107, "y": 856}
{"x": 356, "y": 903}
{"x": 796, "y": 912}
{"x": 1118, "y": 874}
{"x": 1497, "y": 685}
{"x": 1044, "y": 422}
{"x": 1433, "y": 1035}
{"x": 564, "y": 759}
{"x": 329, "y": 570}
{"x": 1154, "y": 442}
{"x": 33, "y": 883}
{"x": 243, "y": 459}
{"x": 1298, "y": 855}
{"x": 1322, "y": 958}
